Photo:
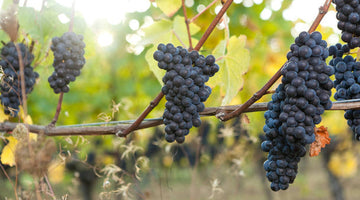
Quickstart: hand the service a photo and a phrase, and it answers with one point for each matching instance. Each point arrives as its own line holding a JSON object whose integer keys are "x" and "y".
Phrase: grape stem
{"x": 99, "y": 129}
{"x": 224, "y": 117}
{"x": 213, "y": 25}
{"x": 22, "y": 79}
{"x": 58, "y": 109}
{"x": 155, "y": 102}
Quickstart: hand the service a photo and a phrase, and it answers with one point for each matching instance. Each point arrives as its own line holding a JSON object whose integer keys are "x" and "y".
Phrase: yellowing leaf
{"x": 26, "y": 119}
{"x": 343, "y": 164}
{"x": 107, "y": 160}
{"x": 169, "y": 7}
{"x": 321, "y": 139}
{"x": 167, "y": 161}
{"x": 56, "y": 171}
{"x": 234, "y": 64}
{"x": 3, "y": 117}
{"x": 8, "y": 153}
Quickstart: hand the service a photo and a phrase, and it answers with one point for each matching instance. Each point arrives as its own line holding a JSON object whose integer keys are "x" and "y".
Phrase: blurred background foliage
{"x": 218, "y": 160}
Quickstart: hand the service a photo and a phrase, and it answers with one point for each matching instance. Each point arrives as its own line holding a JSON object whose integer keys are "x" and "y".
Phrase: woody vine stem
{"x": 223, "y": 116}
{"x": 224, "y": 113}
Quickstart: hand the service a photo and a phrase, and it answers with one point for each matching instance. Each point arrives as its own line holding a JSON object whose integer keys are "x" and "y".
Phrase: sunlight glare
{"x": 34, "y": 4}
{"x": 238, "y": 1}
{"x": 248, "y": 3}
{"x": 189, "y": 3}
{"x": 134, "y": 24}
{"x": 112, "y": 11}
{"x": 257, "y": 1}
{"x": 200, "y": 8}
{"x": 276, "y": 4}
{"x": 63, "y": 18}
{"x": 105, "y": 39}
{"x": 265, "y": 14}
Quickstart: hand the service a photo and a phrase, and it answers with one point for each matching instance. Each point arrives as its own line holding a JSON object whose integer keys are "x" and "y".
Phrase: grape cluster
{"x": 184, "y": 88}
{"x": 348, "y": 14}
{"x": 296, "y": 107}
{"x": 11, "y": 94}
{"x": 68, "y": 60}
{"x": 347, "y": 83}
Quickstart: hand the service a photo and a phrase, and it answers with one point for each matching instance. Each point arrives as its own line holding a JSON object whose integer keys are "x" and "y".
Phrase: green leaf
{"x": 233, "y": 65}
{"x": 40, "y": 26}
{"x": 159, "y": 73}
{"x": 218, "y": 52}
{"x": 159, "y": 31}
{"x": 166, "y": 31}
{"x": 169, "y": 7}
{"x": 180, "y": 31}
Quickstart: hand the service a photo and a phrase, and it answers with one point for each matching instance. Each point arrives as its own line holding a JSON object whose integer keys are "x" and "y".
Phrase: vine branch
{"x": 257, "y": 95}
{"x": 187, "y": 24}
{"x": 153, "y": 104}
{"x": 200, "y": 13}
{"x": 213, "y": 24}
{"x": 134, "y": 126}
{"x": 114, "y": 130}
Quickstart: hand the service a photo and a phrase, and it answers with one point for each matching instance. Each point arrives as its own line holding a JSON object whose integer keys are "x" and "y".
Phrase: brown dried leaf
{"x": 9, "y": 22}
{"x": 245, "y": 119}
{"x": 321, "y": 140}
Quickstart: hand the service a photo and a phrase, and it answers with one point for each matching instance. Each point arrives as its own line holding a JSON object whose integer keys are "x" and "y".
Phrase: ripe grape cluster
{"x": 184, "y": 88}
{"x": 348, "y": 14}
{"x": 11, "y": 94}
{"x": 68, "y": 60}
{"x": 296, "y": 107}
{"x": 347, "y": 83}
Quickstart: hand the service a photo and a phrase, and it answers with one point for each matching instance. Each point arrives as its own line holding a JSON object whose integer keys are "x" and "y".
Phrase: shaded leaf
{"x": 8, "y": 153}
{"x": 321, "y": 139}
{"x": 169, "y": 7}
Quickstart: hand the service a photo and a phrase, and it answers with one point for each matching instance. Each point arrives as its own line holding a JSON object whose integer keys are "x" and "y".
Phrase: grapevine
{"x": 348, "y": 14}
{"x": 11, "y": 95}
{"x": 347, "y": 77}
{"x": 295, "y": 109}
{"x": 68, "y": 60}
{"x": 184, "y": 88}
